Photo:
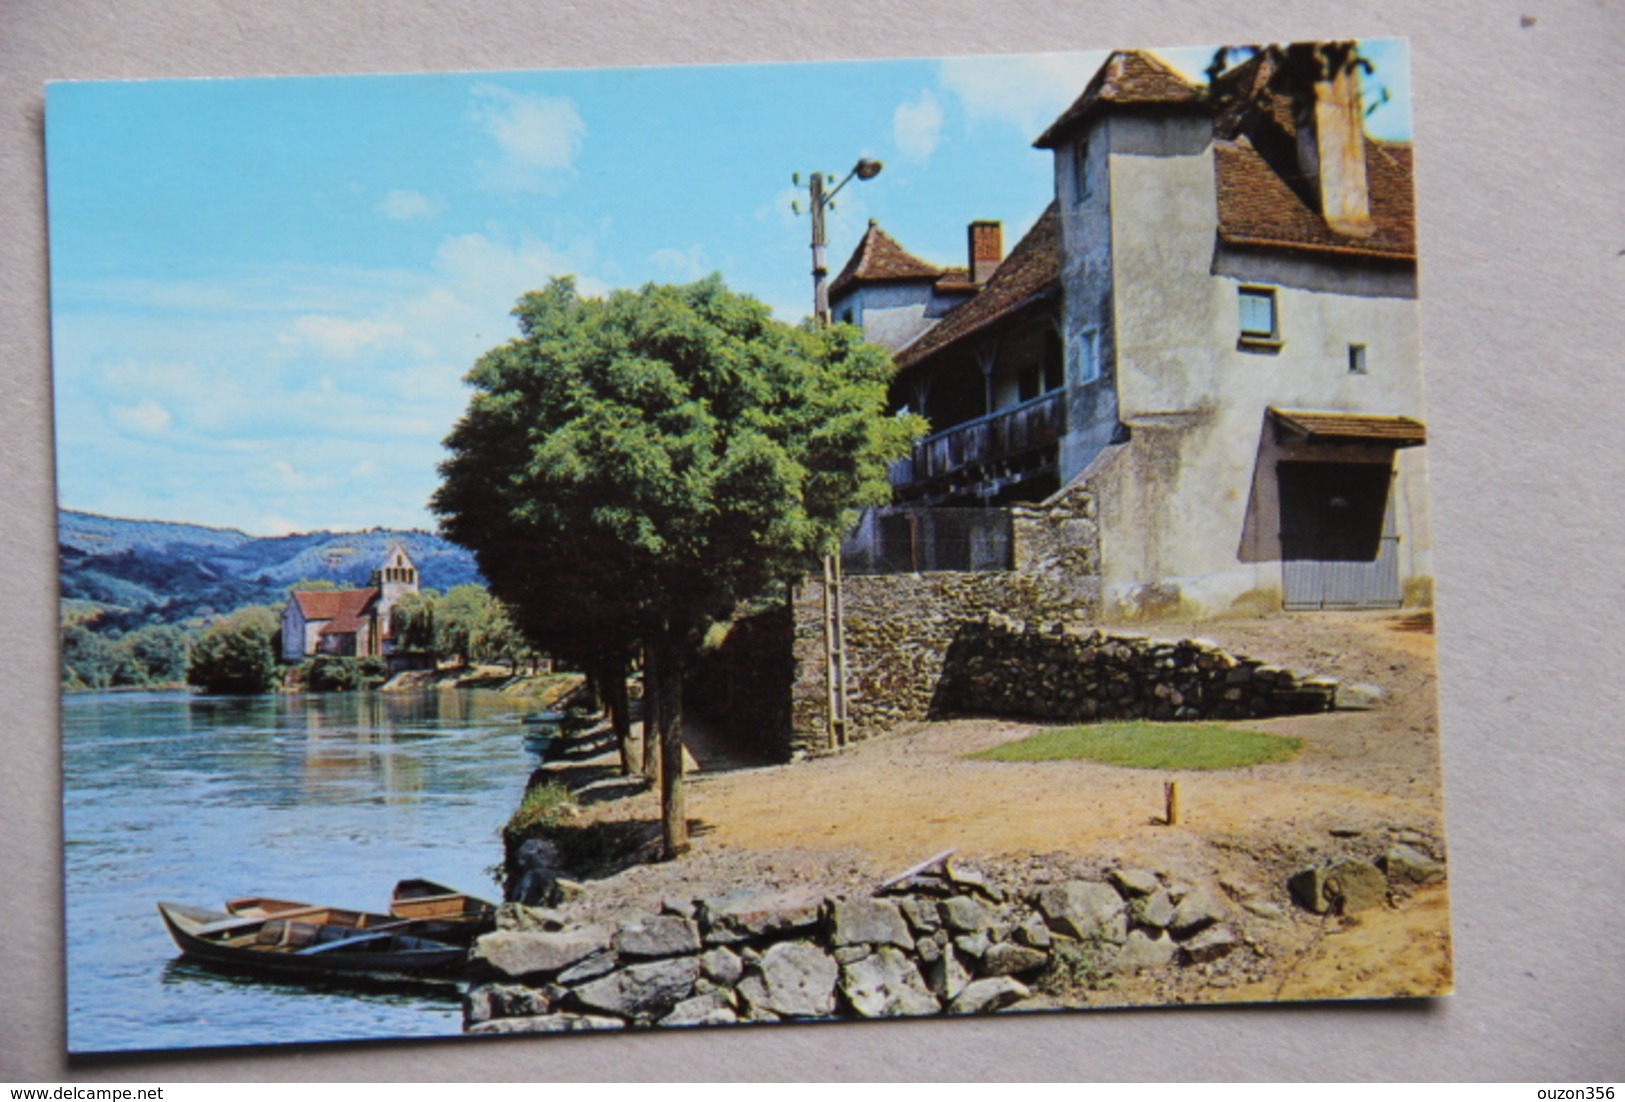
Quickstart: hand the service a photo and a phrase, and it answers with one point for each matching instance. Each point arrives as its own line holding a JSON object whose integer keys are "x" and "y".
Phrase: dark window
{"x": 1357, "y": 359}
{"x": 1082, "y": 179}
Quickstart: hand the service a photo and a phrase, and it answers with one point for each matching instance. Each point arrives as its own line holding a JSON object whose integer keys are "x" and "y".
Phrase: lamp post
{"x": 820, "y": 200}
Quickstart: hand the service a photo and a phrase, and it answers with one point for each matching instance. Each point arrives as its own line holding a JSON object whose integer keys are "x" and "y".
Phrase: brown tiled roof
{"x": 1259, "y": 207}
{"x": 1032, "y": 268}
{"x": 877, "y": 259}
{"x": 1367, "y": 428}
{"x": 345, "y": 608}
{"x": 1127, "y": 78}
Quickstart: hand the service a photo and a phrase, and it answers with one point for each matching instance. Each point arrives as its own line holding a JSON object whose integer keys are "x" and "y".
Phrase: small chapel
{"x": 348, "y": 622}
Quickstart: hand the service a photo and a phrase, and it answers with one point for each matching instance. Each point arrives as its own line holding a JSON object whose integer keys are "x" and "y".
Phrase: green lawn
{"x": 1141, "y": 744}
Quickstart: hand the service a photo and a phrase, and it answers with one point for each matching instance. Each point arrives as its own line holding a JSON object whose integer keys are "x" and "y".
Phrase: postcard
{"x": 689, "y": 547}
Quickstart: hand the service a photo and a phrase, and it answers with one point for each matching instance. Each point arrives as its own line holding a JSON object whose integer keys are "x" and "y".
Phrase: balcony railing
{"x": 998, "y": 437}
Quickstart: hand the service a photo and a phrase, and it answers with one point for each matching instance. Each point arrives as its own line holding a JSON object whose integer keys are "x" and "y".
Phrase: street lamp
{"x": 818, "y": 201}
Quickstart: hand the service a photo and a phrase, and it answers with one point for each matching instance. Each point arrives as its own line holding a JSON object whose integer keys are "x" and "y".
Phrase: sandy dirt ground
{"x": 847, "y": 820}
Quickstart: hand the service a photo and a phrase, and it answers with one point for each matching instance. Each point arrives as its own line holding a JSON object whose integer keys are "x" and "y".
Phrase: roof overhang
{"x": 1377, "y": 430}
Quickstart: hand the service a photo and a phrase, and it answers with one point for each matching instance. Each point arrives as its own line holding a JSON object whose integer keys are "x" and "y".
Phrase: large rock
{"x": 522, "y": 955}
{"x": 1197, "y": 910}
{"x": 885, "y": 984}
{"x": 1343, "y": 887}
{"x": 922, "y": 914}
{"x": 1141, "y": 951}
{"x": 708, "y": 1009}
{"x": 1211, "y": 944}
{"x": 735, "y": 919}
{"x": 964, "y": 914}
{"x": 1409, "y": 865}
{"x": 946, "y": 975}
{"x": 1085, "y": 910}
{"x": 722, "y": 966}
{"x": 1132, "y": 882}
{"x": 1006, "y": 958}
{"x": 1357, "y": 698}
{"x": 792, "y": 980}
{"x": 1155, "y": 909}
{"x": 984, "y": 996}
{"x": 663, "y": 935}
{"x": 591, "y": 968}
{"x": 869, "y": 922}
{"x": 642, "y": 991}
{"x": 505, "y": 1000}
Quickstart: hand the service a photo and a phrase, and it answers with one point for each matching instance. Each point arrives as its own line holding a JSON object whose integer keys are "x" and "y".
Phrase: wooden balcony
{"x": 1013, "y": 437}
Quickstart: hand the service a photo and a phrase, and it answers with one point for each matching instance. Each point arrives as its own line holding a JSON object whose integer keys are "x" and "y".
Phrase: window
{"x": 1085, "y": 354}
{"x": 1082, "y": 178}
{"x": 1259, "y": 324}
{"x": 1356, "y": 359}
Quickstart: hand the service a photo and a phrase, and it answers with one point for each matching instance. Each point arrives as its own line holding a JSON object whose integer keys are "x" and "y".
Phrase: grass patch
{"x": 544, "y": 806}
{"x": 1141, "y": 744}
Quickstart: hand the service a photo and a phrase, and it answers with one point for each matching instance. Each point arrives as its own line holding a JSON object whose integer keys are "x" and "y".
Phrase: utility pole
{"x": 834, "y": 616}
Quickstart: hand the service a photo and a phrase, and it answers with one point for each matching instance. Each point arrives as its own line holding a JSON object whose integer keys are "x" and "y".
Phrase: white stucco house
{"x": 1211, "y": 333}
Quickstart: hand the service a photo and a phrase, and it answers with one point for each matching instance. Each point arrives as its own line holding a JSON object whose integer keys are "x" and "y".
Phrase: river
{"x": 327, "y": 798}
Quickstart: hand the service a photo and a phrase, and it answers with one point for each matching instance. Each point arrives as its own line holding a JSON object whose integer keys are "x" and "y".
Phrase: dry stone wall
{"x": 1001, "y": 666}
{"x": 942, "y": 942}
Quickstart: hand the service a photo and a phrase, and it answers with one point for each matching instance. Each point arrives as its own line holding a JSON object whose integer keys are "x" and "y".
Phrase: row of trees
{"x": 152, "y": 655}
{"x": 633, "y": 467}
{"x": 464, "y": 625}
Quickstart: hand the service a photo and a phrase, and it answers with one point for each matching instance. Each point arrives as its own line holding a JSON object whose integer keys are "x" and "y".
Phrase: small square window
{"x": 1082, "y": 179}
{"x": 1356, "y": 359}
{"x": 1259, "y": 324}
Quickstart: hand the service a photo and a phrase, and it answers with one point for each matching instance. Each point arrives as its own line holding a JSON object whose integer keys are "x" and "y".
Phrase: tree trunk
{"x": 669, "y": 728}
{"x": 651, "y": 714}
{"x": 615, "y": 699}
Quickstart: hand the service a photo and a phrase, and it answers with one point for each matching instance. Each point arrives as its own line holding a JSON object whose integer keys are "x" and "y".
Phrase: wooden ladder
{"x": 835, "y": 683}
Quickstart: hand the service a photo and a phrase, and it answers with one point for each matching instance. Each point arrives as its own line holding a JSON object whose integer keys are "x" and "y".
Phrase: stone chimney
{"x": 986, "y": 250}
{"x": 1331, "y": 146}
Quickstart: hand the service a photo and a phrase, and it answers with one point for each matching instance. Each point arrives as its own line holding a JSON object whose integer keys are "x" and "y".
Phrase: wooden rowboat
{"x": 297, "y": 948}
{"x": 441, "y": 912}
{"x": 421, "y": 908}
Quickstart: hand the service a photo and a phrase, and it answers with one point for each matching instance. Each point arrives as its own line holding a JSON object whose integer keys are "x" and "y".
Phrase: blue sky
{"x": 265, "y": 292}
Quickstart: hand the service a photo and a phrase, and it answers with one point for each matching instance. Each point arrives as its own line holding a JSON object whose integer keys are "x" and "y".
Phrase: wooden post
{"x": 1170, "y": 800}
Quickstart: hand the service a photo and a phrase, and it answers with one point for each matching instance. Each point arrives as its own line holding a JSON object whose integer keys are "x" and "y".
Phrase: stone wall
{"x": 942, "y": 942}
{"x": 899, "y": 626}
{"x": 742, "y": 687}
{"x": 1000, "y": 666}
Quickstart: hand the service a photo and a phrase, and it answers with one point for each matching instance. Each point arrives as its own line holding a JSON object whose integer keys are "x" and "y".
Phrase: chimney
{"x": 1331, "y": 142}
{"x": 986, "y": 250}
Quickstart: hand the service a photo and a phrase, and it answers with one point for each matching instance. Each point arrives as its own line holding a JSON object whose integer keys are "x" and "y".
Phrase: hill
{"x": 119, "y": 574}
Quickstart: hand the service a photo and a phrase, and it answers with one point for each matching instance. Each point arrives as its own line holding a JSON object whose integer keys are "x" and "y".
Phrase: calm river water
{"x": 325, "y": 798}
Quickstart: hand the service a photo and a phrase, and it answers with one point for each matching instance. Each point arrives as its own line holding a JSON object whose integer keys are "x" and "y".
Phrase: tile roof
{"x": 1369, "y": 428}
{"x": 878, "y": 258}
{"x": 1032, "y": 268}
{"x": 1127, "y": 78}
{"x": 1260, "y": 206}
{"x": 344, "y": 608}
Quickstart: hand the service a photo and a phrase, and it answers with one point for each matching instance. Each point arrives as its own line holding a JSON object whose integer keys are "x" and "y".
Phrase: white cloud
{"x": 540, "y": 137}
{"x": 917, "y": 125}
{"x": 1025, "y": 91}
{"x": 146, "y": 418}
{"x": 340, "y": 338}
{"x": 404, "y": 205}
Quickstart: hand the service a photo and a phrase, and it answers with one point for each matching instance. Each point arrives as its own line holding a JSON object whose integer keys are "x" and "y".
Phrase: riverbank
{"x": 1366, "y": 784}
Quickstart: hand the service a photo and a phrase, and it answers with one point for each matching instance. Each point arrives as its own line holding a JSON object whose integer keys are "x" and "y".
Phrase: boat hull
{"x": 307, "y": 950}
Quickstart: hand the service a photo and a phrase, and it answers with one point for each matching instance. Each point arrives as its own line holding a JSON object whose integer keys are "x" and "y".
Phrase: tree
{"x": 237, "y": 654}
{"x": 411, "y": 621}
{"x": 458, "y": 618}
{"x": 631, "y": 467}
{"x": 157, "y": 652}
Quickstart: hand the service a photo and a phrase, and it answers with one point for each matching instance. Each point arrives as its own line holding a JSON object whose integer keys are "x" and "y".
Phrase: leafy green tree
{"x": 458, "y": 618}
{"x": 92, "y": 661}
{"x": 411, "y": 622}
{"x": 633, "y": 466}
{"x": 237, "y": 654}
{"x": 157, "y": 654}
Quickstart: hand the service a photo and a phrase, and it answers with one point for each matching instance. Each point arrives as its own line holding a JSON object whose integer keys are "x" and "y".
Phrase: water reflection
{"x": 329, "y": 798}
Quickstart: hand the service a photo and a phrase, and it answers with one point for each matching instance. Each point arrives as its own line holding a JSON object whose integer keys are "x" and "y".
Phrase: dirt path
{"x": 1363, "y": 780}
